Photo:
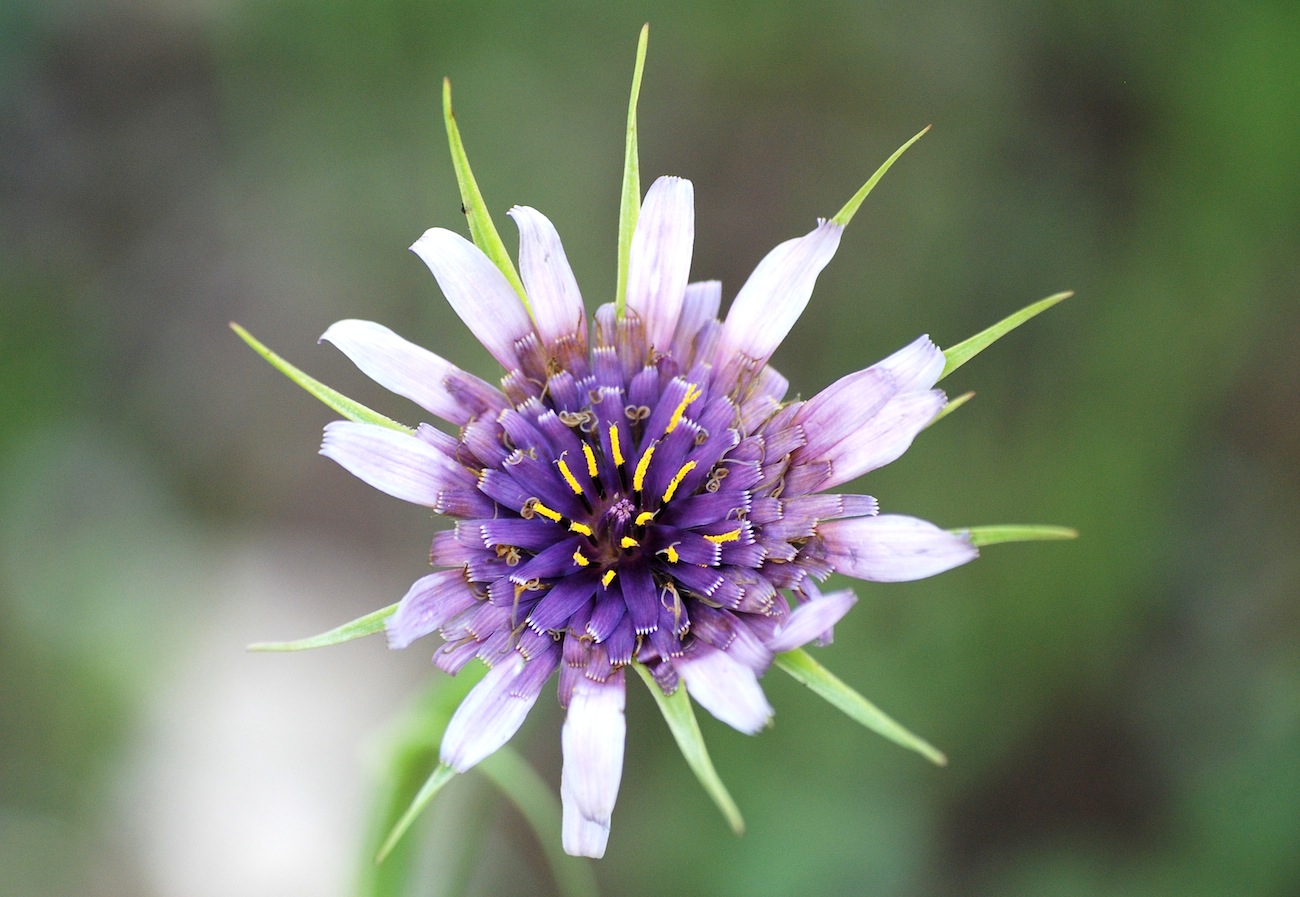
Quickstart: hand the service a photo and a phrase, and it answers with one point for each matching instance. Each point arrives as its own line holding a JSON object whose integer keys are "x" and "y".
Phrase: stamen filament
{"x": 615, "y": 448}
{"x": 677, "y": 480}
{"x": 568, "y": 476}
{"x": 693, "y": 392}
{"x": 638, "y": 478}
{"x": 732, "y": 536}
{"x": 592, "y": 470}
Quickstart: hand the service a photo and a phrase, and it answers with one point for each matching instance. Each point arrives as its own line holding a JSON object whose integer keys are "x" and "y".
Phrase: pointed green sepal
{"x": 359, "y": 628}
{"x": 516, "y": 779}
{"x": 680, "y": 717}
{"x": 441, "y": 775}
{"x": 481, "y": 229}
{"x": 845, "y": 215}
{"x": 953, "y": 405}
{"x": 968, "y": 349}
{"x": 992, "y": 535}
{"x": 629, "y": 207}
{"x": 804, "y": 669}
{"x": 350, "y": 409}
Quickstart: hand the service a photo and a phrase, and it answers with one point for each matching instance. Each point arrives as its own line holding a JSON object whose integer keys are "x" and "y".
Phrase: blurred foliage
{"x": 1119, "y": 712}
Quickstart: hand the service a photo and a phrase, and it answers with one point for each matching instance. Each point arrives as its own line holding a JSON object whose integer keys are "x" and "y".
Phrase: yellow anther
{"x": 670, "y": 552}
{"x": 539, "y": 508}
{"x": 693, "y": 392}
{"x": 638, "y": 478}
{"x": 732, "y": 536}
{"x": 677, "y": 480}
{"x": 628, "y": 542}
{"x": 581, "y": 528}
{"x": 580, "y": 559}
{"x": 644, "y": 517}
{"x": 591, "y": 460}
{"x": 608, "y": 578}
{"x": 568, "y": 476}
{"x": 615, "y": 448}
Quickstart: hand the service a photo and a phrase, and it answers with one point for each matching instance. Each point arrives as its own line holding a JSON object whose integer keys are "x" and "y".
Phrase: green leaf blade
{"x": 995, "y": 535}
{"x": 680, "y": 717}
{"x": 481, "y": 229}
{"x": 801, "y": 666}
{"x": 845, "y": 215}
{"x": 359, "y": 628}
{"x": 967, "y": 349}
{"x": 629, "y": 208}
{"x": 440, "y": 776}
{"x": 350, "y": 409}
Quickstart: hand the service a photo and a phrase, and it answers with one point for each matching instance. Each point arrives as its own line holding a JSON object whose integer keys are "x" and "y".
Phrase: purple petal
{"x": 776, "y": 294}
{"x": 494, "y": 710}
{"x": 401, "y": 465}
{"x": 842, "y": 409}
{"x": 477, "y": 291}
{"x": 884, "y": 437}
{"x": 811, "y": 620}
{"x": 592, "y": 739}
{"x": 428, "y": 605}
{"x": 892, "y": 548}
{"x": 548, "y": 279}
{"x": 402, "y": 367}
{"x": 660, "y": 262}
{"x": 726, "y": 688}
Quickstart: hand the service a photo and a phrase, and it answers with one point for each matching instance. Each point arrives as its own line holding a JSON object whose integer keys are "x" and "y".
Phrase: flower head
{"x": 639, "y": 492}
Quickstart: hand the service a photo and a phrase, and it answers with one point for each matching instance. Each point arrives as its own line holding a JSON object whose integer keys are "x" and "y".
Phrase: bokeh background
{"x": 1122, "y": 713}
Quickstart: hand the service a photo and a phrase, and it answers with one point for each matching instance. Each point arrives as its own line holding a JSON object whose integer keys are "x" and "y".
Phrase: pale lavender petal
{"x": 413, "y": 372}
{"x": 428, "y": 605}
{"x": 700, "y": 305}
{"x": 726, "y": 688}
{"x": 548, "y": 279}
{"x": 592, "y": 739}
{"x": 892, "y": 548}
{"x": 842, "y": 409}
{"x": 477, "y": 291}
{"x": 776, "y": 294}
{"x": 917, "y": 365}
{"x": 811, "y": 620}
{"x": 884, "y": 437}
{"x": 660, "y": 262}
{"x": 399, "y": 464}
{"x": 492, "y": 712}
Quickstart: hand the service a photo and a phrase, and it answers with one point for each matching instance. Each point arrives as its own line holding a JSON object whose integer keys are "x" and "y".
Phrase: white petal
{"x": 552, "y": 289}
{"x": 592, "y": 738}
{"x": 477, "y": 291}
{"x": 892, "y": 548}
{"x": 776, "y": 294}
{"x": 726, "y": 688}
{"x": 884, "y": 437}
{"x": 413, "y": 372}
{"x": 401, "y": 465}
{"x": 660, "y": 262}
{"x": 811, "y": 620}
{"x": 491, "y": 713}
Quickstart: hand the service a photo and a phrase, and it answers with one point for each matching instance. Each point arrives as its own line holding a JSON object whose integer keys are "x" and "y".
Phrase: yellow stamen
{"x": 644, "y": 517}
{"x": 539, "y": 508}
{"x": 693, "y": 392}
{"x": 638, "y": 479}
{"x": 608, "y": 578}
{"x": 591, "y": 460}
{"x": 568, "y": 476}
{"x": 580, "y": 559}
{"x": 677, "y": 480}
{"x": 615, "y": 448}
{"x": 628, "y": 542}
{"x": 670, "y": 552}
{"x": 582, "y": 528}
{"x": 732, "y": 536}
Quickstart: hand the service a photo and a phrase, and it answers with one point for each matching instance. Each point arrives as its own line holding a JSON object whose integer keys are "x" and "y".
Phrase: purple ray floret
{"x": 637, "y": 491}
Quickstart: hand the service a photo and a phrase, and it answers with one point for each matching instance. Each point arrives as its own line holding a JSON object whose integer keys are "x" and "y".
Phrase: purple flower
{"x": 638, "y": 490}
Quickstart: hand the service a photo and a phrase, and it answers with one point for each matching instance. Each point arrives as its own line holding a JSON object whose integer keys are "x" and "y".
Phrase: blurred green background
{"x": 1122, "y": 713}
